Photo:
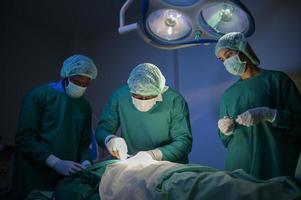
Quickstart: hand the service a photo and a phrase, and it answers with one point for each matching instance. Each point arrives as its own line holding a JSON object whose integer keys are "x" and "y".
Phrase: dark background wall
{"x": 36, "y": 37}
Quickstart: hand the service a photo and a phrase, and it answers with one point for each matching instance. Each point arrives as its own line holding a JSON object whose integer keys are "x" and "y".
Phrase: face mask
{"x": 235, "y": 66}
{"x": 145, "y": 105}
{"x": 75, "y": 91}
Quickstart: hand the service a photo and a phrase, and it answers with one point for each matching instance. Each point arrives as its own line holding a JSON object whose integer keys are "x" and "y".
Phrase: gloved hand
{"x": 143, "y": 155}
{"x": 142, "y": 158}
{"x": 85, "y": 164}
{"x": 117, "y": 147}
{"x": 226, "y": 125}
{"x": 255, "y": 115}
{"x": 63, "y": 167}
{"x": 156, "y": 154}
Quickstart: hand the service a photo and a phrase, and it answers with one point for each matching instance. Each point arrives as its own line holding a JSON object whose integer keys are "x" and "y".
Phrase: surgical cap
{"x": 236, "y": 41}
{"x": 79, "y": 65}
{"x": 146, "y": 79}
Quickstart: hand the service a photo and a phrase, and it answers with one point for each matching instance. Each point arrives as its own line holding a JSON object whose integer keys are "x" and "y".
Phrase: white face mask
{"x": 235, "y": 66}
{"x": 145, "y": 105}
{"x": 75, "y": 91}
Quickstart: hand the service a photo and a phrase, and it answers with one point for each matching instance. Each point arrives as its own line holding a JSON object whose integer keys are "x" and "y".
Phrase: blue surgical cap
{"x": 236, "y": 41}
{"x": 79, "y": 65}
{"x": 146, "y": 79}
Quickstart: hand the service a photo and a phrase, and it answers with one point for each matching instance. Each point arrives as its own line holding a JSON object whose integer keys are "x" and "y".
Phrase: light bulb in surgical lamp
{"x": 225, "y": 17}
{"x": 168, "y": 24}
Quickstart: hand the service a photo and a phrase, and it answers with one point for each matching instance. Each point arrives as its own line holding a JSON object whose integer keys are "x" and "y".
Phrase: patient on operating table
{"x": 141, "y": 177}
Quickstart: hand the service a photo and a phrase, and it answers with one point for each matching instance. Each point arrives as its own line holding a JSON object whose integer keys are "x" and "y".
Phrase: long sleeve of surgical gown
{"x": 50, "y": 122}
{"x": 166, "y": 126}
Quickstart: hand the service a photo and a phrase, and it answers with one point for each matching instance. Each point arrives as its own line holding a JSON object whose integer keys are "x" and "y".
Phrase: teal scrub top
{"x": 166, "y": 126}
{"x": 50, "y": 122}
{"x": 266, "y": 149}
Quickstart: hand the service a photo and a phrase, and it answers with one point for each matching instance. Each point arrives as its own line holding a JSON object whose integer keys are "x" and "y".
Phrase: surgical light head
{"x": 168, "y": 24}
{"x": 223, "y": 18}
{"x": 172, "y": 24}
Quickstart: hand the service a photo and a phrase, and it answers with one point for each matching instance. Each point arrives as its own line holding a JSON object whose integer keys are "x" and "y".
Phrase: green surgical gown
{"x": 166, "y": 126}
{"x": 266, "y": 149}
{"x": 50, "y": 123}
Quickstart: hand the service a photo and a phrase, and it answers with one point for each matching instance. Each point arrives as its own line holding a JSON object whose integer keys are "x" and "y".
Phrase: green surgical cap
{"x": 146, "y": 79}
{"x": 79, "y": 65}
{"x": 236, "y": 41}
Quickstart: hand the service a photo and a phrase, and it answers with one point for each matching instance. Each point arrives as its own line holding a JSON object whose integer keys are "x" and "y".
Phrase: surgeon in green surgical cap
{"x": 260, "y": 114}
{"x": 54, "y": 129}
{"x": 153, "y": 118}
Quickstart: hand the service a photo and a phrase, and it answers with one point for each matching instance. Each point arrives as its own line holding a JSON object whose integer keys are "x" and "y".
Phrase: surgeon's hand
{"x": 256, "y": 115}
{"x": 156, "y": 154}
{"x": 142, "y": 158}
{"x": 85, "y": 164}
{"x": 63, "y": 167}
{"x": 226, "y": 125}
{"x": 117, "y": 147}
{"x": 67, "y": 167}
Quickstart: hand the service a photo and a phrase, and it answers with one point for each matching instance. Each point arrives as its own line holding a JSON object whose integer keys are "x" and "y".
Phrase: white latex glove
{"x": 85, "y": 164}
{"x": 156, "y": 154}
{"x": 63, "y": 167}
{"x": 226, "y": 125}
{"x": 142, "y": 158}
{"x": 117, "y": 147}
{"x": 255, "y": 115}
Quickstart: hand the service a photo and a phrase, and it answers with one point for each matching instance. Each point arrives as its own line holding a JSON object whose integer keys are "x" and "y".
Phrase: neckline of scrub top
{"x": 58, "y": 86}
{"x": 252, "y": 77}
{"x": 158, "y": 102}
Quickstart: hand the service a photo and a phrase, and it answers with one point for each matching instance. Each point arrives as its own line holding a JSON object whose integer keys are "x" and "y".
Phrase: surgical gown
{"x": 166, "y": 126}
{"x": 266, "y": 149}
{"x": 50, "y": 123}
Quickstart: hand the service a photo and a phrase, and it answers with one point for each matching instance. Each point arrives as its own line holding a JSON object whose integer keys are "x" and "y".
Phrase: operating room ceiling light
{"x": 225, "y": 17}
{"x": 168, "y": 24}
{"x": 172, "y": 24}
